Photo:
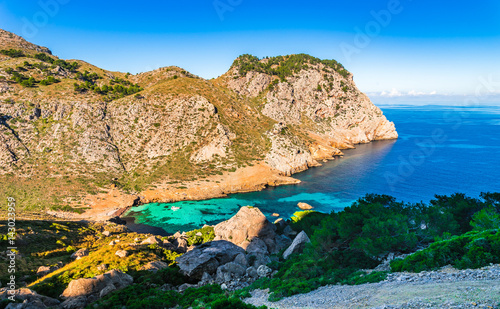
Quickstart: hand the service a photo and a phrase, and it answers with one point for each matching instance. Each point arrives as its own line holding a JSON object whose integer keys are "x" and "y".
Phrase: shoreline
{"x": 115, "y": 203}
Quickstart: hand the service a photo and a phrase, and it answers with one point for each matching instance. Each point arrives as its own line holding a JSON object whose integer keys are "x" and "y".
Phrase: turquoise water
{"x": 441, "y": 150}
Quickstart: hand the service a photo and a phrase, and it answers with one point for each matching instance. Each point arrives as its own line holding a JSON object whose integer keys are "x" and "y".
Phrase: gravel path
{"x": 446, "y": 288}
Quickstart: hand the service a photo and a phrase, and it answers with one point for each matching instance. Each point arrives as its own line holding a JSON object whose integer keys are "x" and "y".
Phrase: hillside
{"x": 74, "y": 136}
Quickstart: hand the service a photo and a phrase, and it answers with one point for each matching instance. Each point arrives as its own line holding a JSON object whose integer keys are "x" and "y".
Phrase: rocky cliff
{"x": 69, "y": 129}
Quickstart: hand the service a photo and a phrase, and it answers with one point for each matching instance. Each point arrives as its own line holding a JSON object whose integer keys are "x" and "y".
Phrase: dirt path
{"x": 462, "y": 294}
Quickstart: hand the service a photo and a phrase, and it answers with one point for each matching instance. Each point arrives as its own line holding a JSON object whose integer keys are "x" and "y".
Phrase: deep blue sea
{"x": 440, "y": 150}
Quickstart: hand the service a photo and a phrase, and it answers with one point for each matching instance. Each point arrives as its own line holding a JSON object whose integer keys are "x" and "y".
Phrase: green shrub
{"x": 471, "y": 250}
{"x": 207, "y": 234}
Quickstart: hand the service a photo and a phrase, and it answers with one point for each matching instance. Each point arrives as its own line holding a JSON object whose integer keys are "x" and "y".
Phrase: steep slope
{"x": 72, "y": 134}
{"x": 317, "y": 97}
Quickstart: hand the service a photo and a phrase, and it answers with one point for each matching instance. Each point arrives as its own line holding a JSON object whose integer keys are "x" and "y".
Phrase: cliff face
{"x": 71, "y": 125}
{"x": 320, "y": 99}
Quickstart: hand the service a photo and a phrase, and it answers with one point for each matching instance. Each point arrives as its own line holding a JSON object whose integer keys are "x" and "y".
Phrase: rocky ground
{"x": 446, "y": 288}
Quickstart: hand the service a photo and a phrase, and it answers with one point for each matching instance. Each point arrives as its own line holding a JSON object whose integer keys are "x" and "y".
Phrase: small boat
{"x": 175, "y": 208}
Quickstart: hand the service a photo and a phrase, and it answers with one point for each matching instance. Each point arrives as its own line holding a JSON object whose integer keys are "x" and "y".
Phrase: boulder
{"x": 80, "y": 253}
{"x": 155, "y": 266}
{"x": 106, "y": 233}
{"x": 247, "y": 224}
{"x": 264, "y": 271}
{"x": 122, "y": 253}
{"x": 297, "y": 245}
{"x": 229, "y": 272}
{"x": 151, "y": 240}
{"x": 102, "y": 267}
{"x": 45, "y": 270}
{"x": 241, "y": 259}
{"x": 207, "y": 258}
{"x": 257, "y": 246}
{"x": 304, "y": 206}
{"x": 29, "y": 299}
{"x": 282, "y": 242}
{"x": 252, "y": 272}
{"x": 182, "y": 245}
{"x": 89, "y": 289}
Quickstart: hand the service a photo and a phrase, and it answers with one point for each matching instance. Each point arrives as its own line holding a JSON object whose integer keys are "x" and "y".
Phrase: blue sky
{"x": 397, "y": 50}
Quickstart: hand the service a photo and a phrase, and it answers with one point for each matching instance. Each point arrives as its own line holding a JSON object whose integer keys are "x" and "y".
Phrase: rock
{"x": 102, "y": 267}
{"x": 247, "y": 224}
{"x": 257, "y": 246}
{"x": 241, "y": 259}
{"x": 282, "y": 242}
{"x": 264, "y": 271}
{"x": 275, "y": 214}
{"x": 182, "y": 245}
{"x": 29, "y": 299}
{"x": 75, "y": 302}
{"x": 199, "y": 234}
{"x": 45, "y": 270}
{"x": 207, "y": 258}
{"x": 92, "y": 287}
{"x": 229, "y": 272}
{"x": 114, "y": 242}
{"x": 297, "y": 245}
{"x": 185, "y": 286}
{"x": 304, "y": 206}
{"x": 106, "y": 233}
{"x": 122, "y": 253}
{"x": 287, "y": 231}
{"x": 155, "y": 266}
{"x": 206, "y": 279}
{"x": 106, "y": 290}
{"x": 252, "y": 272}
{"x": 151, "y": 240}
{"x": 80, "y": 253}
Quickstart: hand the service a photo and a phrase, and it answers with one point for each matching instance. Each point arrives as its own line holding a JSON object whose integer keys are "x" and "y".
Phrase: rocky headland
{"x": 74, "y": 137}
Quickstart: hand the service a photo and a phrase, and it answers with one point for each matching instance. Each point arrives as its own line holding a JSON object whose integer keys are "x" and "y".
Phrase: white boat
{"x": 175, "y": 208}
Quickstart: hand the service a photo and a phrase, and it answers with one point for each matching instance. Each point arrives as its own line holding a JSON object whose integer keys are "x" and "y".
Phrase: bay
{"x": 440, "y": 150}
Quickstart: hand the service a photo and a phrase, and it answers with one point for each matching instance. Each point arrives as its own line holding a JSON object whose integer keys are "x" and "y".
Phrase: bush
{"x": 13, "y": 53}
{"x": 471, "y": 250}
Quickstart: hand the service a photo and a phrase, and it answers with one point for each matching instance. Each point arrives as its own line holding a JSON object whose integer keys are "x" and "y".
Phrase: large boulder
{"x": 297, "y": 245}
{"x": 90, "y": 289}
{"x": 207, "y": 258}
{"x": 247, "y": 224}
{"x": 80, "y": 253}
{"x": 28, "y": 299}
{"x": 155, "y": 266}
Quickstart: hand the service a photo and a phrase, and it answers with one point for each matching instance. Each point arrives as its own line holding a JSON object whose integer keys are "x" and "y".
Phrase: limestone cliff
{"x": 69, "y": 129}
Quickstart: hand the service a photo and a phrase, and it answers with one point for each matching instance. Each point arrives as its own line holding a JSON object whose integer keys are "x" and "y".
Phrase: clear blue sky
{"x": 419, "y": 47}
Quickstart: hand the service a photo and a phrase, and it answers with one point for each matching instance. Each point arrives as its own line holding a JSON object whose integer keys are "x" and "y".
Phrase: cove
{"x": 413, "y": 168}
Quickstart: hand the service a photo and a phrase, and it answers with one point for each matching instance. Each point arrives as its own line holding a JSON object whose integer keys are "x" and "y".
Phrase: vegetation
{"x": 283, "y": 66}
{"x": 136, "y": 296}
{"x": 358, "y": 237}
{"x": 471, "y": 250}
{"x": 14, "y": 53}
{"x": 117, "y": 88}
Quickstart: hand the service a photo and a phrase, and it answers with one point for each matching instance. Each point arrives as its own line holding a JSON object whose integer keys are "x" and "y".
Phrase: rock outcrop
{"x": 297, "y": 245}
{"x": 246, "y": 225}
{"x": 86, "y": 290}
{"x": 207, "y": 257}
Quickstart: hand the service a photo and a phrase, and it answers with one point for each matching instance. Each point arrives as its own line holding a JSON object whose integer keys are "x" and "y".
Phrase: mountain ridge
{"x": 74, "y": 136}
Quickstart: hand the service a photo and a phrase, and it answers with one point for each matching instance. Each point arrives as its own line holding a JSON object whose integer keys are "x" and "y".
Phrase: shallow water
{"x": 441, "y": 150}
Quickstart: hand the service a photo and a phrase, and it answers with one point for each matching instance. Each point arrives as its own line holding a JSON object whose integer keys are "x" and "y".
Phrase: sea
{"x": 441, "y": 150}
